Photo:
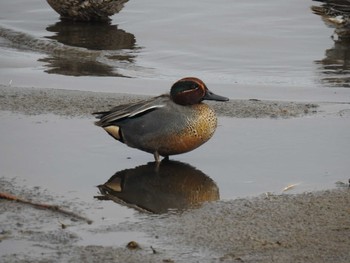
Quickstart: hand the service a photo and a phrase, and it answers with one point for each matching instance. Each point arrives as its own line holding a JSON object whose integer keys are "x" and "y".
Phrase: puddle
{"x": 246, "y": 157}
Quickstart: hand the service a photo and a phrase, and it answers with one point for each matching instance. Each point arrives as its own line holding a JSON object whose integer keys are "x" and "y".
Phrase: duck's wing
{"x": 132, "y": 110}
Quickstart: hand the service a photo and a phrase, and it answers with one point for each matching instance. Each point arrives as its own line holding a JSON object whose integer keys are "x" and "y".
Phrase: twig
{"x": 55, "y": 208}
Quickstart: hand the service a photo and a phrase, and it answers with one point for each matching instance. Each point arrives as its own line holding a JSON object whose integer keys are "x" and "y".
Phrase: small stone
{"x": 133, "y": 245}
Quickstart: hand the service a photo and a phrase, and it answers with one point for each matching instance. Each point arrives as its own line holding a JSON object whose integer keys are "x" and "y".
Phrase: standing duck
{"x": 165, "y": 125}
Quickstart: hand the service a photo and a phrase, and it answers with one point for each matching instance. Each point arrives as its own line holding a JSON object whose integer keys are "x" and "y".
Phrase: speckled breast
{"x": 200, "y": 127}
{"x": 197, "y": 125}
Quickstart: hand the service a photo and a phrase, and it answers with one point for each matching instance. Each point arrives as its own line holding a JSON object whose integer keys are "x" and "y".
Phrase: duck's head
{"x": 190, "y": 90}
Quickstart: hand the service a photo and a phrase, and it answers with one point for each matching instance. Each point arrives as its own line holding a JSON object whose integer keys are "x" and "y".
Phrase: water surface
{"x": 240, "y": 43}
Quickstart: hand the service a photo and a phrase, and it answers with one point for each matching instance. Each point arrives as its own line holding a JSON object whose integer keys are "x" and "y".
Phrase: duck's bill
{"x": 212, "y": 96}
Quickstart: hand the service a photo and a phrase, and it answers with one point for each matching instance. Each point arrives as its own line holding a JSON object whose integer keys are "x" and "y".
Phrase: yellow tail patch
{"x": 113, "y": 131}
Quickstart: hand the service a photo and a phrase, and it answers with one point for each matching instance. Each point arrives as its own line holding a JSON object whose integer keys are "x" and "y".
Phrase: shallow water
{"x": 251, "y": 43}
{"x": 246, "y": 157}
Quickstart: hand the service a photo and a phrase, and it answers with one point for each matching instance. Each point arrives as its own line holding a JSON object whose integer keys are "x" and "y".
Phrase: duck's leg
{"x": 156, "y": 157}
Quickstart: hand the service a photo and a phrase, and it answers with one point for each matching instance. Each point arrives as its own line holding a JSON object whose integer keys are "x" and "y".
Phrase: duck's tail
{"x": 99, "y": 115}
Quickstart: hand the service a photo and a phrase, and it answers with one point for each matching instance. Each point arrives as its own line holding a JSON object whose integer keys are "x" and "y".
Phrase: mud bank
{"x": 72, "y": 103}
{"x": 309, "y": 227}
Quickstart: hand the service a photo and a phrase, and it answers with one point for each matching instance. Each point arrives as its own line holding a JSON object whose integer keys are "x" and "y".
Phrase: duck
{"x": 335, "y": 14}
{"x": 169, "y": 124}
{"x": 87, "y": 10}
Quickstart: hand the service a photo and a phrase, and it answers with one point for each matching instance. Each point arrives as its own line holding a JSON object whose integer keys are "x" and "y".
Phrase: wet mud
{"x": 72, "y": 103}
{"x": 309, "y": 227}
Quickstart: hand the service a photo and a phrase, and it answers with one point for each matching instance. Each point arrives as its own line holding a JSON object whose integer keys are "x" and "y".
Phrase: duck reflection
{"x": 93, "y": 36}
{"x": 89, "y": 49}
{"x": 335, "y": 68}
{"x": 171, "y": 185}
{"x": 89, "y": 10}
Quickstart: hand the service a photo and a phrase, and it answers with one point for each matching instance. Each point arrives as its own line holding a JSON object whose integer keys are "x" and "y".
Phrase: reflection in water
{"x": 89, "y": 49}
{"x": 336, "y": 65}
{"x": 158, "y": 189}
{"x": 93, "y": 36}
{"x": 87, "y": 10}
{"x": 78, "y": 67}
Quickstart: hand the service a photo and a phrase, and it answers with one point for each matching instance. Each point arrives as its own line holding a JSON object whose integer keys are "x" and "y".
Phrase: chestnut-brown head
{"x": 190, "y": 90}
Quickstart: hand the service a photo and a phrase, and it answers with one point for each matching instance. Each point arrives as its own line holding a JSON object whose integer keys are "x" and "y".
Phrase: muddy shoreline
{"x": 34, "y": 101}
{"x": 308, "y": 227}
